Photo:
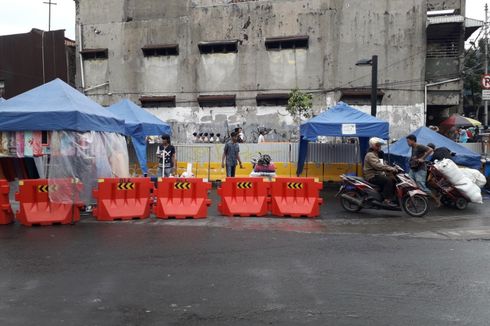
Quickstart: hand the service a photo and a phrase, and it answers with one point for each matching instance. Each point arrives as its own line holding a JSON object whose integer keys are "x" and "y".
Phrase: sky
{"x": 20, "y": 16}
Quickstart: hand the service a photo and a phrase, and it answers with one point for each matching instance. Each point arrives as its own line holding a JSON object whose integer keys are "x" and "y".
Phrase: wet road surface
{"x": 124, "y": 274}
{"x": 379, "y": 268}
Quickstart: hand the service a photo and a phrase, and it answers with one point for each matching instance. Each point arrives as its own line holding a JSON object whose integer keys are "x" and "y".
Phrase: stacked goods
{"x": 459, "y": 180}
{"x": 475, "y": 176}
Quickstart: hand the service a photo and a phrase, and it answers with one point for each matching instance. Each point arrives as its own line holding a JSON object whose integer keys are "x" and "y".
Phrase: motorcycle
{"x": 356, "y": 194}
{"x": 450, "y": 196}
{"x": 263, "y": 163}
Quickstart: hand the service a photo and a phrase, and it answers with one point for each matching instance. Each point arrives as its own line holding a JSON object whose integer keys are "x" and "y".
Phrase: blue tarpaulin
{"x": 139, "y": 124}
{"x": 341, "y": 120}
{"x": 400, "y": 152}
{"x": 56, "y": 106}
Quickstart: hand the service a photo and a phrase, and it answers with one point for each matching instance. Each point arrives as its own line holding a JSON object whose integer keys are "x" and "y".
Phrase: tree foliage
{"x": 300, "y": 104}
{"x": 473, "y": 71}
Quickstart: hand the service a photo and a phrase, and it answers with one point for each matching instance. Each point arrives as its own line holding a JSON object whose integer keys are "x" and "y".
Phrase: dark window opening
{"x": 160, "y": 50}
{"x": 218, "y": 47}
{"x": 284, "y": 43}
{"x": 158, "y": 101}
{"x": 272, "y": 99}
{"x": 92, "y": 54}
{"x": 360, "y": 96}
{"x": 216, "y": 100}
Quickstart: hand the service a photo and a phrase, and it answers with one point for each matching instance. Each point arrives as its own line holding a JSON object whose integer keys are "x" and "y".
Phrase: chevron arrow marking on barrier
{"x": 47, "y": 188}
{"x": 244, "y": 185}
{"x": 295, "y": 185}
{"x": 125, "y": 186}
{"x": 182, "y": 185}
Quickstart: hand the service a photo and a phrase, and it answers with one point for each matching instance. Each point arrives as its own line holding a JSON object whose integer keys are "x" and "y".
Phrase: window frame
{"x": 210, "y": 101}
{"x": 287, "y": 43}
{"x": 160, "y": 50}
{"x": 218, "y": 47}
{"x": 95, "y": 54}
{"x": 152, "y": 102}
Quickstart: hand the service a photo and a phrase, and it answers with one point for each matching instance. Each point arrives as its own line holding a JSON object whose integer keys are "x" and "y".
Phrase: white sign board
{"x": 485, "y": 95}
{"x": 348, "y": 129}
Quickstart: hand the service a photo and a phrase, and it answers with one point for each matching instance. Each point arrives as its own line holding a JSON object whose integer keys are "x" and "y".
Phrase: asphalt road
{"x": 156, "y": 274}
{"x": 373, "y": 268}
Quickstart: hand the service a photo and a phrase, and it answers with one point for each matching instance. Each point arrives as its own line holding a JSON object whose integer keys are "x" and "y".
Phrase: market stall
{"x": 341, "y": 120}
{"x": 400, "y": 152}
{"x": 139, "y": 124}
{"x": 68, "y": 134}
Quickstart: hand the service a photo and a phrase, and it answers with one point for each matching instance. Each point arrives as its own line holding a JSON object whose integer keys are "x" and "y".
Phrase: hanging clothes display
{"x": 19, "y": 143}
{"x": 28, "y": 144}
{"x": 37, "y": 148}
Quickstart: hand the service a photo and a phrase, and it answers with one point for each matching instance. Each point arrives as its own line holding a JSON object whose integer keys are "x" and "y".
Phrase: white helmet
{"x": 375, "y": 141}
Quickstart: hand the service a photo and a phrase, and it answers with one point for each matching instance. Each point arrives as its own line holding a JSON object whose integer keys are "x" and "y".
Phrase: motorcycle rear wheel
{"x": 347, "y": 205}
{"x": 416, "y": 205}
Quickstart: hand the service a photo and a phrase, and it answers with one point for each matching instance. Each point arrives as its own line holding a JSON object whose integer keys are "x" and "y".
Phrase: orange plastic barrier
{"x": 296, "y": 197}
{"x": 6, "y": 213}
{"x": 36, "y": 207}
{"x": 244, "y": 197}
{"x": 123, "y": 199}
{"x": 182, "y": 198}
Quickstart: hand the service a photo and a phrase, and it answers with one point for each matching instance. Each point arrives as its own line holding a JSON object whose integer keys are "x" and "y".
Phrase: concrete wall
{"x": 446, "y": 4}
{"x": 340, "y": 33}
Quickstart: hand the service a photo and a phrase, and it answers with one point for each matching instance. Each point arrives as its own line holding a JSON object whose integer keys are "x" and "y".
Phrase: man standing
{"x": 418, "y": 168}
{"x": 261, "y": 137}
{"x": 167, "y": 158}
{"x": 231, "y": 155}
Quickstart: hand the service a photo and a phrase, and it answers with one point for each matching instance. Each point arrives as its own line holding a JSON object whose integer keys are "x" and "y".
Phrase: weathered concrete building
{"x": 447, "y": 31}
{"x": 210, "y": 65}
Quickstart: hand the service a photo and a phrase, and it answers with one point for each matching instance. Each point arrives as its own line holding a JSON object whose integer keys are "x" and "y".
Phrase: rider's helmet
{"x": 376, "y": 141}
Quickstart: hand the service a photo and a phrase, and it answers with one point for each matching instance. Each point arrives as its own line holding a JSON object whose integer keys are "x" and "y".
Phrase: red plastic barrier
{"x": 296, "y": 197}
{"x": 123, "y": 199}
{"x": 182, "y": 198}
{"x": 244, "y": 197}
{"x": 36, "y": 207}
{"x": 6, "y": 213}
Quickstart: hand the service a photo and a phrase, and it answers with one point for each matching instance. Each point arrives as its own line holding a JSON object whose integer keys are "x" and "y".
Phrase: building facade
{"x": 31, "y": 59}
{"x": 207, "y": 66}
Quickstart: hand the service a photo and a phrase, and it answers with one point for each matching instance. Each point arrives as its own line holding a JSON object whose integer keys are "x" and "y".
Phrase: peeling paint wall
{"x": 402, "y": 119}
{"x": 340, "y": 33}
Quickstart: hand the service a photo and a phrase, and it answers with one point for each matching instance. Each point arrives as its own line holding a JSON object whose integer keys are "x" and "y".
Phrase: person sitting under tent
{"x": 375, "y": 171}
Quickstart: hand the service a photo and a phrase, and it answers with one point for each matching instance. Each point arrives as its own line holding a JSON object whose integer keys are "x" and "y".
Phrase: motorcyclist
{"x": 375, "y": 170}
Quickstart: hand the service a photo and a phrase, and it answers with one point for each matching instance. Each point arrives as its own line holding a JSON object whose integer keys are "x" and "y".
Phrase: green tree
{"x": 300, "y": 105}
{"x": 473, "y": 71}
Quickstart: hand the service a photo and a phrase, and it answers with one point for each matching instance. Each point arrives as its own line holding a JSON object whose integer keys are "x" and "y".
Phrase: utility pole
{"x": 49, "y": 3}
{"x": 485, "y": 119}
{"x": 374, "y": 85}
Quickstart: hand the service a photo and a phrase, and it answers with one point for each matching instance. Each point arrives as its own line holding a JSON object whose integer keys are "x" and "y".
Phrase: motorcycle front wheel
{"x": 416, "y": 205}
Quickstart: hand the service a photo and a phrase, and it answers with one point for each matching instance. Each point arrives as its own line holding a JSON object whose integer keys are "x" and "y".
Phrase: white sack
{"x": 475, "y": 176}
{"x": 459, "y": 180}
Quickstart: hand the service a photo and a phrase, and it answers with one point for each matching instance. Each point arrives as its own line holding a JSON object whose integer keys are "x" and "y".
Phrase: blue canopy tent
{"x": 341, "y": 120}
{"x": 400, "y": 152}
{"x": 56, "y": 106}
{"x": 139, "y": 124}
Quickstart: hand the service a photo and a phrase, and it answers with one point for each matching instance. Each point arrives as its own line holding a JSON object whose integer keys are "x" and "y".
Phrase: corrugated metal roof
{"x": 445, "y": 19}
